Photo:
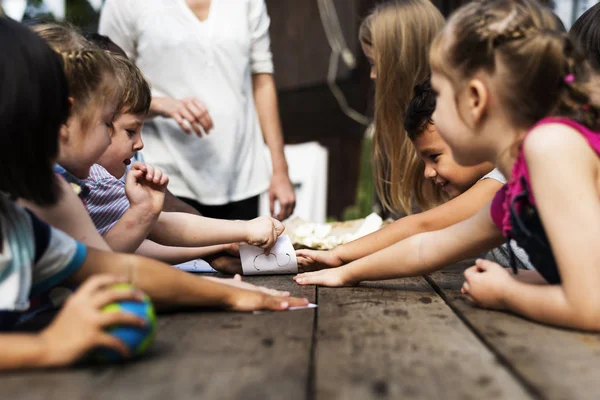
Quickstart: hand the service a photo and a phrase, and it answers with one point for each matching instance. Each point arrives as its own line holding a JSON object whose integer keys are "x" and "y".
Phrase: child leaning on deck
{"x": 521, "y": 97}
{"x": 109, "y": 200}
{"x": 379, "y": 36}
{"x": 36, "y": 101}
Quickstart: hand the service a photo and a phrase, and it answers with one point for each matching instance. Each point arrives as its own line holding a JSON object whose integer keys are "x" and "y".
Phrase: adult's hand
{"x": 281, "y": 189}
{"x": 190, "y": 113}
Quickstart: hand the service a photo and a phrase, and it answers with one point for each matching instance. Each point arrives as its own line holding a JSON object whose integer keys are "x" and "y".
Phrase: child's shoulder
{"x": 553, "y": 137}
{"x": 99, "y": 174}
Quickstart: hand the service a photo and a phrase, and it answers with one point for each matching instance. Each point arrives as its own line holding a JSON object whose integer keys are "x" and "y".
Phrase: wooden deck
{"x": 406, "y": 339}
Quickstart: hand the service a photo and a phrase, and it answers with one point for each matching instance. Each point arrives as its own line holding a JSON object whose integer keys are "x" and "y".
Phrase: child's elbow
{"x": 587, "y": 317}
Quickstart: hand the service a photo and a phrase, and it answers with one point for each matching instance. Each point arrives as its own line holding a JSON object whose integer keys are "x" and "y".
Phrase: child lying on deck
{"x": 34, "y": 256}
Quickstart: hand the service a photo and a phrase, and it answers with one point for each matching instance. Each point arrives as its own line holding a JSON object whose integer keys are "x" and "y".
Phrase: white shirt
{"x": 212, "y": 60}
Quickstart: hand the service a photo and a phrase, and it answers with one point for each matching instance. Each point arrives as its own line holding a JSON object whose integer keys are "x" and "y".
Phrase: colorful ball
{"x": 136, "y": 339}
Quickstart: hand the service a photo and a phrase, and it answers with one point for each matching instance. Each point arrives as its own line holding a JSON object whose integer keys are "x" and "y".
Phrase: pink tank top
{"x": 500, "y": 210}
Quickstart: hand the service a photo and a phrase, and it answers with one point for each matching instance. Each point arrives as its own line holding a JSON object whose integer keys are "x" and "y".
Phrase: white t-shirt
{"x": 212, "y": 60}
{"x": 501, "y": 254}
{"x": 34, "y": 258}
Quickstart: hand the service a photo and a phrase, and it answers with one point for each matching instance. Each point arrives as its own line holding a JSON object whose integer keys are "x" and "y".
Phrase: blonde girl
{"x": 395, "y": 38}
{"x": 520, "y": 97}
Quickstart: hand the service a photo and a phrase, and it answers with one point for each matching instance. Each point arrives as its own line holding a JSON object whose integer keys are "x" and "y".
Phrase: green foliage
{"x": 365, "y": 189}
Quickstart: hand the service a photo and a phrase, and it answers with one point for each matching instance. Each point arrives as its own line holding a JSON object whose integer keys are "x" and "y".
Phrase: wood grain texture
{"x": 208, "y": 355}
{"x": 554, "y": 363}
{"x": 400, "y": 340}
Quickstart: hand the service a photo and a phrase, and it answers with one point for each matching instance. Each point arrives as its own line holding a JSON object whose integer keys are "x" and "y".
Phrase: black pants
{"x": 244, "y": 209}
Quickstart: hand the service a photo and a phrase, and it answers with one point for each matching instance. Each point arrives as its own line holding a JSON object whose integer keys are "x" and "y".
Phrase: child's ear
{"x": 478, "y": 98}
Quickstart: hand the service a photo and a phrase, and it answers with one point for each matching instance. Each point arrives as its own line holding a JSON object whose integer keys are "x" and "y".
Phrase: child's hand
{"x": 237, "y": 282}
{"x": 145, "y": 186}
{"x": 79, "y": 327}
{"x": 328, "y": 277}
{"x": 313, "y": 260}
{"x": 190, "y": 113}
{"x": 252, "y": 300}
{"x": 485, "y": 283}
{"x": 263, "y": 232}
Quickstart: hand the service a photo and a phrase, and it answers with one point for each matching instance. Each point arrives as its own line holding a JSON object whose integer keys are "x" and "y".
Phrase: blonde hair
{"x": 399, "y": 33}
{"x": 543, "y": 72}
{"x": 135, "y": 91}
{"x": 90, "y": 71}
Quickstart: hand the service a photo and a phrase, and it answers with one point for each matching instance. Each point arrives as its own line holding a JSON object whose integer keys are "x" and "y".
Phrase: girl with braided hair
{"x": 520, "y": 97}
{"x": 422, "y": 163}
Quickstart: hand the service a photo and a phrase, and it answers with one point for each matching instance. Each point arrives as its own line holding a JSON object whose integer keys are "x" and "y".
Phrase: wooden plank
{"x": 206, "y": 355}
{"x": 555, "y": 363}
{"x": 399, "y": 339}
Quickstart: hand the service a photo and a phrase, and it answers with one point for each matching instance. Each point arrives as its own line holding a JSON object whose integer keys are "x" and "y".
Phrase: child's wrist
{"x": 45, "y": 351}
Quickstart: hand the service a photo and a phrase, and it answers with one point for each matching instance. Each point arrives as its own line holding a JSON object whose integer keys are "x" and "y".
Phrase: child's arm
{"x": 145, "y": 188}
{"x": 173, "y": 204}
{"x": 458, "y": 209}
{"x": 417, "y": 255}
{"x": 70, "y": 216}
{"x": 185, "y": 230}
{"x": 564, "y": 178}
{"x": 170, "y": 288}
{"x": 78, "y": 328}
{"x": 176, "y": 255}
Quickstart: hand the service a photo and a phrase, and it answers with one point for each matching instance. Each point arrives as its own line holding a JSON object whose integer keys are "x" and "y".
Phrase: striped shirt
{"x": 34, "y": 258}
{"x": 106, "y": 201}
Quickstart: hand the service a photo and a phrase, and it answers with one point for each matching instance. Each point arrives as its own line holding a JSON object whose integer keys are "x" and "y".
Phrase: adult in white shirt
{"x": 210, "y": 67}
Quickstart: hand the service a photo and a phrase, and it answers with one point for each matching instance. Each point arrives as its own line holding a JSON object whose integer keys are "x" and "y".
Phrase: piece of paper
{"x": 198, "y": 265}
{"x": 280, "y": 260}
{"x": 310, "y": 305}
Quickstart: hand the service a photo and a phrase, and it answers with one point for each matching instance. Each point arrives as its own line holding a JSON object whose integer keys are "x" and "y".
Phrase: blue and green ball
{"x": 135, "y": 338}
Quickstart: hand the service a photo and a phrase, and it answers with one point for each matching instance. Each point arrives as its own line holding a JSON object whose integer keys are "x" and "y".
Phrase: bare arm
{"x": 265, "y": 99}
{"x": 185, "y": 230}
{"x": 458, "y": 209}
{"x": 130, "y": 231}
{"x": 173, "y": 204}
{"x": 417, "y": 255}
{"x": 171, "y": 288}
{"x": 176, "y": 255}
{"x": 70, "y": 216}
{"x": 567, "y": 201}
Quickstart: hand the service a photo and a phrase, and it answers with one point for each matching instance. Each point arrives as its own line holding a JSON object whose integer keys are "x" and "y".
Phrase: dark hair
{"x": 105, "y": 43}
{"x": 586, "y": 31}
{"x": 420, "y": 109}
{"x": 33, "y": 105}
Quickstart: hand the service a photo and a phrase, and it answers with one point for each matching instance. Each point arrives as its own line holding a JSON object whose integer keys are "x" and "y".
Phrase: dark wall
{"x": 308, "y": 109}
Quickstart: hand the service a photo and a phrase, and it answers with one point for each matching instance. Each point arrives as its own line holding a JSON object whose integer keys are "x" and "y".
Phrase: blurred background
{"x": 323, "y": 81}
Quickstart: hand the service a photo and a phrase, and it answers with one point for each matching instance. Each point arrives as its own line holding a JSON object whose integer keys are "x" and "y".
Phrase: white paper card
{"x": 198, "y": 265}
{"x": 310, "y": 305}
{"x": 281, "y": 259}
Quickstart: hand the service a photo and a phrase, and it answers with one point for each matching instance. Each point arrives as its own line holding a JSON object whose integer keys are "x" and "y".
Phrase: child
{"x": 121, "y": 211}
{"x": 34, "y": 256}
{"x": 468, "y": 189}
{"x": 138, "y": 219}
{"x": 458, "y": 208}
{"x": 517, "y": 96}
{"x": 395, "y": 38}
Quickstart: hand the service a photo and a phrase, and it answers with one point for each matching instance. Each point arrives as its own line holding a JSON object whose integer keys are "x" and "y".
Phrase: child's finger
{"x": 273, "y": 292}
{"x": 121, "y": 318}
{"x": 279, "y": 227}
{"x": 150, "y": 173}
{"x": 469, "y": 272}
{"x": 96, "y": 282}
{"x": 112, "y": 295}
{"x": 465, "y": 288}
{"x": 111, "y": 342}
